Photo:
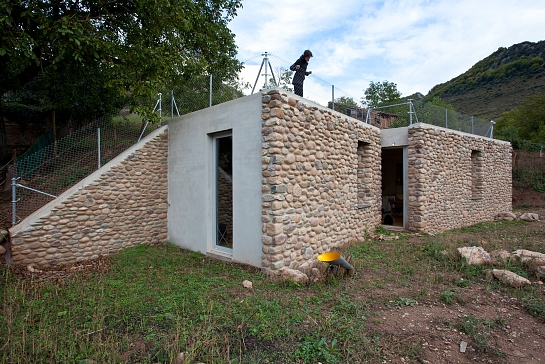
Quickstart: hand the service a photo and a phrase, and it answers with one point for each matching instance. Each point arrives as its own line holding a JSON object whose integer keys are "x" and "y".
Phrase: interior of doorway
{"x": 392, "y": 186}
{"x": 224, "y": 191}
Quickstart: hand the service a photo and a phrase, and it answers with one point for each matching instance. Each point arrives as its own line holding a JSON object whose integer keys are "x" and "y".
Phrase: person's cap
{"x": 307, "y": 53}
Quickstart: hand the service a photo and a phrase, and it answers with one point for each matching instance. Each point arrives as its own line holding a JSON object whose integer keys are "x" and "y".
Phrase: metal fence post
{"x": 410, "y": 112}
{"x": 446, "y": 118}
{"x": 98, "y": 133}
{"x": 333, "y": 97}
{"x": 210, "y": 90}
{"x": 14, "y": 201}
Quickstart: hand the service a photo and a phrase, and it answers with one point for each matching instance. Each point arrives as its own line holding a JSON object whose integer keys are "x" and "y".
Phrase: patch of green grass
{"x": 403, "y": 302}
{"x": 479, "y": 331}
{"x": 536, "y": 307}
{"x": 321, "y": 350}
{"x": 433, "y": 250}
{"x": 450, "y": 297}
{"x": 154, "y": 302}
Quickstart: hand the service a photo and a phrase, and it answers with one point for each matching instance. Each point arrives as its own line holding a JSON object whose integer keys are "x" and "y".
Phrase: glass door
{"x": 223, "y": 168}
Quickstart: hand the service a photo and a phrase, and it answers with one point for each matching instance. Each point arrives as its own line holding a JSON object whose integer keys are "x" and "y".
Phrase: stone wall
{"x": 125, "y": 206}
{"x": 321, "y": 180}
{"x": 455, "y": 179}
{"x": 225, "y": 205}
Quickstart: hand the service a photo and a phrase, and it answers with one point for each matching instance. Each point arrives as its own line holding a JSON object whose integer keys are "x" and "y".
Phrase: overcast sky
{"x": 416, "y": 44}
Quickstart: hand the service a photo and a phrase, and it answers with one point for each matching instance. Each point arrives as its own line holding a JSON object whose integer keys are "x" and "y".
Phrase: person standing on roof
{"x": 300, "y": 68}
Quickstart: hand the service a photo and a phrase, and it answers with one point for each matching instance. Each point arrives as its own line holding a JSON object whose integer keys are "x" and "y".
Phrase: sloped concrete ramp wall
{"x": 122, "y": 204}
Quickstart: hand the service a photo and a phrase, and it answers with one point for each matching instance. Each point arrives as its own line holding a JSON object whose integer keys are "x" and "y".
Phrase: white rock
{"x": 531, "y": 258}
{"x": 31, "y": 269}
{"x": 247, "y": 284}
{"x": 294, "y": 274}
{"x": 507, "y": 216}
{"x": 475, "y": 255}
{"x": 527, "y": 216}
{"x": 541, "y": 271}
{"x": 510, "y": 278}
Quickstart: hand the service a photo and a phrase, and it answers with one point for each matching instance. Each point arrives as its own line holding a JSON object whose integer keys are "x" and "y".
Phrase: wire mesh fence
{"x": 61, "y": 164}
{"x": 410, "y": 112}
{"x": 529, "y": 170}
{"x": 257, "y": 74}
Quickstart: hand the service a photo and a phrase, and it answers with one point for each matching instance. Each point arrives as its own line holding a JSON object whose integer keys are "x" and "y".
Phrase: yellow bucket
{"x": 334, "y": 258}
{"x": 328, "y": 257}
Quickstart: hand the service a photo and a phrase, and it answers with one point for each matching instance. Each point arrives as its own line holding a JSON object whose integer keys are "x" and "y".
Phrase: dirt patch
{"x": 504, "y": 331}
{"x": 524, "y": 197}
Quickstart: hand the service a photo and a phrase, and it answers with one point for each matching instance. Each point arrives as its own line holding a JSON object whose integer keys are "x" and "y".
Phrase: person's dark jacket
{"x": 300, "y": 74}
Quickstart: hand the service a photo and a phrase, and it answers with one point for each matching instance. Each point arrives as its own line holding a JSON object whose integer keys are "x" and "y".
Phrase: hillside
{"x": 498, "y": 83}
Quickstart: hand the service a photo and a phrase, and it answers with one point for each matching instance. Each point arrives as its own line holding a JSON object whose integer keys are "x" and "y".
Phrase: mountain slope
{"x": 498, "y": 83}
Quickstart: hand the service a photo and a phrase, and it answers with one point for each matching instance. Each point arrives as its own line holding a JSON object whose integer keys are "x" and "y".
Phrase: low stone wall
{"x": 455, "y": 179}
{"x": 321, "y": 180}
{"x": 124, "y": 206}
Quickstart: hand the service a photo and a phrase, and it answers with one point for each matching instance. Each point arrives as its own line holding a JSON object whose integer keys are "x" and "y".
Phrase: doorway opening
{"x": 223, "y": 171}
{"x": 393, "y": 196}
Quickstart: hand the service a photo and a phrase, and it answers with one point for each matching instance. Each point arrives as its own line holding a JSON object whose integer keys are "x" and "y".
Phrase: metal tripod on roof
{"x": 265, "y": 62}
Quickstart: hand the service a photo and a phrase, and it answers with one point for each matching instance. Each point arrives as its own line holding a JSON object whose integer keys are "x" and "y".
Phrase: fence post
{"x": 472, "y": 125}
{"x": 446, "y": 118}
{"x": 410, "y": 111}
{"x": 13, "y": 201}
{"x": 210, "y": 90}
{"x": 98, "y": 133}
{"x": 492, "y": 122}
{"x": 333, "y": 97}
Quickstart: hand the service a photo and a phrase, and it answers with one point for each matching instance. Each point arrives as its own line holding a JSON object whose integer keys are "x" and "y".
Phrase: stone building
{"x": 271, "y": 180}
{"x": 306, "y": 179}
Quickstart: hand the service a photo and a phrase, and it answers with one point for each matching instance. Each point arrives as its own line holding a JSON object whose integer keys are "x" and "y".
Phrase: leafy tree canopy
{"x": 346, "y": 100}
{"x": 134, "y": 45}
{"x": 381, "y": 93}
{"x": 526, "y": 121}
{"x": 437, "y": 101}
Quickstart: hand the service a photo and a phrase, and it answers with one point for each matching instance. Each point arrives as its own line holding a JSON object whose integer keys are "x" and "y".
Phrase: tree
{"x": 284, "y": 80}
{"x": 437, "y": 101}
{"x": 135, "y": 46}
{"x": 528, "y": 119}
{"x": 342, "y": 102}
{"x": 380, "y": 93}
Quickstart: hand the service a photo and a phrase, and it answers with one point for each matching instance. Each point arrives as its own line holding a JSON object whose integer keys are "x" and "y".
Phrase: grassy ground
{"x": 149, "y": 304}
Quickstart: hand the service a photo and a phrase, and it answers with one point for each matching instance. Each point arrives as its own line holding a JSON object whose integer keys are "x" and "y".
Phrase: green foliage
{"x": 404, "y": 301}
{"x": 89, "y": 55}
{"x": 284, "y": 80}
{"x": 450, "y": 297}
{"x": 433, "y": 250}
{"x": 320, "y": 350}
{"x": 437, "y": 101}
{"x": 149, "y": 303}
{"x": 479, "y": 331}
{"x": 380, "y": 93}
{"x": 343, "y": 101}
{"x": 526, "y": 122}
{"x": 498, "y": 83}
{"x": 536, "y": 307}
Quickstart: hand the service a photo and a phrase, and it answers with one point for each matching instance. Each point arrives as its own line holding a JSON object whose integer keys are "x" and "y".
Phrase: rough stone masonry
{"x": 321, "y": 180}
{"x": 455, "y": 179}
{"x": 125, "y": 206}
